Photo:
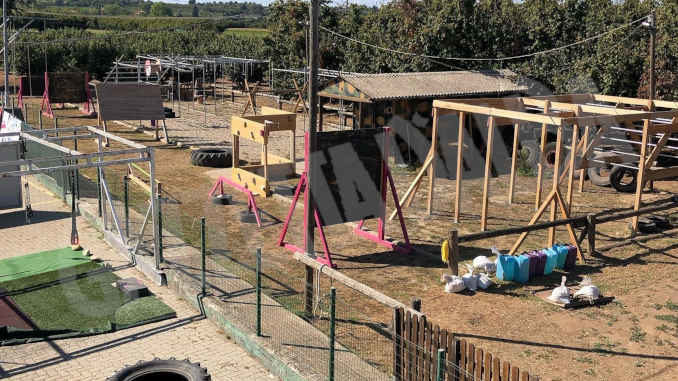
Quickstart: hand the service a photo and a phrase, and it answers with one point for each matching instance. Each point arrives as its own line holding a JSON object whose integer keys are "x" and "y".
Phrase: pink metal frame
{"x": 46, "y": 104}
{"x": 379, "y": 237}
{"x": 251, "y": 202}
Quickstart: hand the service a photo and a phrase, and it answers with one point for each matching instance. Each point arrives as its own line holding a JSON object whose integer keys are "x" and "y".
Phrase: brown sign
{"x": 67, "y": 87}
{"x": 130, "y": 101}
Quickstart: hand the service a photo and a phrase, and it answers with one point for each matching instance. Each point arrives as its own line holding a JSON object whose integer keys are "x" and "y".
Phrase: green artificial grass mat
{"x": 81, "y": 298}
{"x": 38, "y": 263}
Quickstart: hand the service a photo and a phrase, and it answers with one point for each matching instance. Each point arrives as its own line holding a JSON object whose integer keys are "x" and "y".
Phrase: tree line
{"x": 616, "y": 63}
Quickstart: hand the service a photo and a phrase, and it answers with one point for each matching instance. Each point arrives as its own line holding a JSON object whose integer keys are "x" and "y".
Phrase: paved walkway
{"x": 97, "y": 357}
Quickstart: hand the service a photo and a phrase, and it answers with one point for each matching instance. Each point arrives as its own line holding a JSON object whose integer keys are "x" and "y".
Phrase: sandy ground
{"x": 635, "y": 337}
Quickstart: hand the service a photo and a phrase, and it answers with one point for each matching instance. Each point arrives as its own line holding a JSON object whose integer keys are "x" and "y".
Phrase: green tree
{"x": 161, "y": 10}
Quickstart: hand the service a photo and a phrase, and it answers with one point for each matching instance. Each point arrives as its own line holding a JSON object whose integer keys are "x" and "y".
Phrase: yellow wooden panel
{"x": 248, "y": 129}
{"x": 281, "y": 122}
{"x": 255, "y": 183}
{"x": 275, "y": 159}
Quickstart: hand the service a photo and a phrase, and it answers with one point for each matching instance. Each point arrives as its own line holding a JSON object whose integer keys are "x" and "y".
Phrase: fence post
{"x": 202, "y": 255}
{"x": 333, "y": 300}
{"x": 440, "y": 376}
{"x": 259, "y": 292}
{"x": 40, "y": 117}
{"x": 453, "y": 260}
{"x": 416, "y": 304}
{"x": 591, "y": 233}
{"x": 99, "y": 191}
{"x": 77, "y": 172}
{"x": 125, "y": 181}
{"x": 159, "y": 204}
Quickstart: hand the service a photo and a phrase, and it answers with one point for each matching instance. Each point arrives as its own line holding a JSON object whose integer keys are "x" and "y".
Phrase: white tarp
{"x": 10, "y": 123}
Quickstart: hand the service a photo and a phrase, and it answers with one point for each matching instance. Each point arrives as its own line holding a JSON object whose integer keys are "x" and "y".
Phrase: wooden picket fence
{"x": 416, "y": 343}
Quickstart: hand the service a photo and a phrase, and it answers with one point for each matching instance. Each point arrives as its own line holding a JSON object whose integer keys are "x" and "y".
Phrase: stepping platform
{"x": 574, "y": 303}
{"x": 38, "y": 263}
{"x": 132, "y": 288}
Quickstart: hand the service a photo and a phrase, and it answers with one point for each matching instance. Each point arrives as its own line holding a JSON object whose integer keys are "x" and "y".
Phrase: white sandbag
{"x": 561, "y": 293}
{"x": 470, "y": 280}
{"x": 484, "y": 281}
{"x": 589, "y": 293}
{"x": 479, "y": 262}
{"x": 455, "y": 284}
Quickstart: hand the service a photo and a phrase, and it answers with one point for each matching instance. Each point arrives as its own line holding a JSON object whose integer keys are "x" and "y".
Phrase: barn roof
{"x": 391, "y": 86}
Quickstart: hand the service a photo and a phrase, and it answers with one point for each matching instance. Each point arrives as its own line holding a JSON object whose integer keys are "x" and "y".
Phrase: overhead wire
{"x": 486, "y": 59}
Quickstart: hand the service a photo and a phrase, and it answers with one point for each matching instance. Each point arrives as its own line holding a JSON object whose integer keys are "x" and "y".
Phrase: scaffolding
{"x": 54, "y": 157}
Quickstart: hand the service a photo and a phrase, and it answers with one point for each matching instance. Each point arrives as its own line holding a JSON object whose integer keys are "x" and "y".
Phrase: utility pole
{"x": 309, "y": 240}
{"x": 309, "y": 207}
{"x": 5, "y": 45}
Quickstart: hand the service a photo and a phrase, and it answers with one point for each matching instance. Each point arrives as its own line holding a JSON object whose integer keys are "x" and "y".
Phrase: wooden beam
{"x": 460, "y": 166}
{"x": 634, "y": 101}
{"x": 582, "y": 172}
{"x": 537, "y": 215}
{"x": 592, "y": 109}
{"x": 353, "y": 284}
{"x": 618, "y": 119}
{"x": 488, "y": 172}
{"x": 498, "y": 112}
{"x": 660, "y": 174}
{"x": 432, "y": 166}
{"x": 573, "y": 157}
{"x": 412, "y": 190}
{"x": 640, "y": 181}
{"x": 542, "y": 158}
{"x": 556, "y": 184}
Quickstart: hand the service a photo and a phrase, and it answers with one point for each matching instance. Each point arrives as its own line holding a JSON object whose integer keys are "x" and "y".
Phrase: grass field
{"x": 37, "y": 263}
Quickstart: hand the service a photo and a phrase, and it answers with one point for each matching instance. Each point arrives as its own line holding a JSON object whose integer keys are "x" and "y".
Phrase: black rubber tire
{"x": 597, "y": 178}
{"x": 164, "y": 369}
{"x": 618, "y": 174}
{"x": 212, "y": 157}
{"x": 550, "y": 156}
{"x": 222, "y": 199}
{"x": 529, "y": 151}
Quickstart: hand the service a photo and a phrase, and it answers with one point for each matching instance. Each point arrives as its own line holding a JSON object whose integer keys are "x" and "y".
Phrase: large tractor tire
{"x": 529, "y": 151}
{"x": 166, "y": 370}
{"x": 623, "y": 179}
{"x": 212, "y": 157}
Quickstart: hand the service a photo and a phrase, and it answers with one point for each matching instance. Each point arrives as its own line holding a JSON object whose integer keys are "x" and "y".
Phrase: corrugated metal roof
{"x": 434, "y": 84}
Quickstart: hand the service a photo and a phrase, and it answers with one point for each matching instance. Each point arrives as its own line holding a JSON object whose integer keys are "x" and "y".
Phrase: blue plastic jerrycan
{"x": 523, "y": 268}
{"x": 506, "y": 267}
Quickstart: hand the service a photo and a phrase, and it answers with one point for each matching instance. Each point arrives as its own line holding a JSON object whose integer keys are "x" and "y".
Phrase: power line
{"x": 485, "y": 59}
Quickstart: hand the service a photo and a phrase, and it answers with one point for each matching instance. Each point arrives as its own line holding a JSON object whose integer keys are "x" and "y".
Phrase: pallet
{"x": 574, "y": 303}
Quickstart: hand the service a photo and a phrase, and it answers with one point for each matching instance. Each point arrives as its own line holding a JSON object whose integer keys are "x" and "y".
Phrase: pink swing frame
{"x": 251, "y": 202}
{"x": 379, "y": 237}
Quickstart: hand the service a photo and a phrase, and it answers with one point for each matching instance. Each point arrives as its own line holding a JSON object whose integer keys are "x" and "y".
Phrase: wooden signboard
{"x": 129, "y": 101}
{"x": 348, "y": 183}
{"x": 67, "y": 87}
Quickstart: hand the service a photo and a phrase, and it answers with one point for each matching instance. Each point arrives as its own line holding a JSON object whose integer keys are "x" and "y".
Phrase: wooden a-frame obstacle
{"x": 338, "y": 182}
{"x": 254, "y": 179}
{"x": 575, "y": 111}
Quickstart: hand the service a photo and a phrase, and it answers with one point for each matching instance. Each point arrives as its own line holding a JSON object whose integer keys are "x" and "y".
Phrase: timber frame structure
{"x": 257, "y": 128}
{"x": 590, "y": 116}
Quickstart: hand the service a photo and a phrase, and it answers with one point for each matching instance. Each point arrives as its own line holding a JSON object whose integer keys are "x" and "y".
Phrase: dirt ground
{"x": 633, "y": 338}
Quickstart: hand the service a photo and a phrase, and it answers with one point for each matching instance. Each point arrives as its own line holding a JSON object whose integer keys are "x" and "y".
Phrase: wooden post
{"x": 416, "y": 304}
{"x": 308, "y": 292}
{"x": 582, "y": 172}
{"x": 641, "y": 173}
{"x": 320, "y": 114}
{"x": 542, "y": 158}
{"x": 453, "y": 260}
{"x": 556, "y": 177}
{"x": 432, "y": 167}
{"x": 573, "y": 157}
{"x": 397, "y": 334}
{"x": 488, "y": 172}
{"x": 460, "y": 166}
{"x": 591, "y": 233}
{"x": 514, "y": 161}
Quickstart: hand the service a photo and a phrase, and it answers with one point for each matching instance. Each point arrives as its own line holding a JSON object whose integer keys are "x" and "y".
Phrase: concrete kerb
{"x": 182, "y": 285}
